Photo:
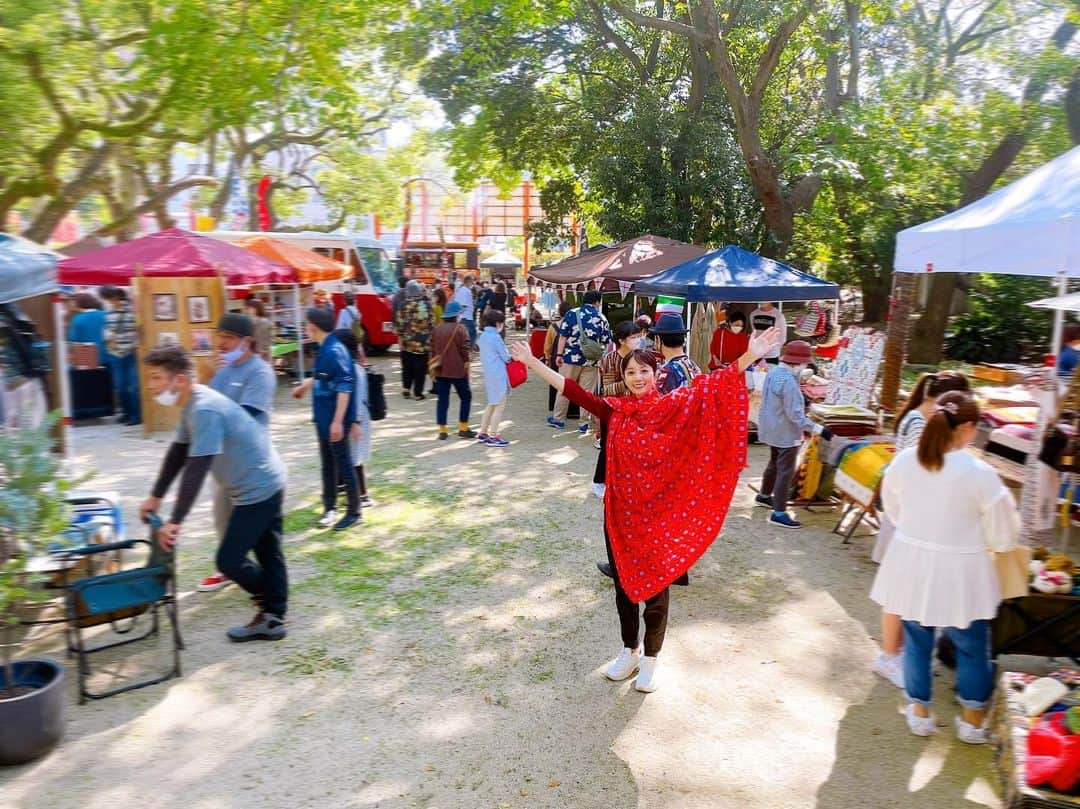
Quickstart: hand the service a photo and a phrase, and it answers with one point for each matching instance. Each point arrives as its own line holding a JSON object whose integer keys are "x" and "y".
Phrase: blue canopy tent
{"x": 734, "y": 275}
{"x": 26, "y": 269}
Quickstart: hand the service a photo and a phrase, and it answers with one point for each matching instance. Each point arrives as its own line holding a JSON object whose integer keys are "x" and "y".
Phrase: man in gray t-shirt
{"x": 217, "y": 435}
{"x": 248, "y": 380}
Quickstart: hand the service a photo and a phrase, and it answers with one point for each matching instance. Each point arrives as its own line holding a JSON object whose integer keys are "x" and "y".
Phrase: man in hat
{"x": 333, "y": 406}
{"x": 678, "y": 370}
{"x": 248, "y": 380}
{"x": 782, "y": 423}
{"x": 448, "y": 348}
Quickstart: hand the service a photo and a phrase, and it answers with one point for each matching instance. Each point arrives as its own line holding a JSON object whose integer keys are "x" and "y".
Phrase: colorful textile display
{"x": 860, "y": 471}
{"x": 855, "y": 372}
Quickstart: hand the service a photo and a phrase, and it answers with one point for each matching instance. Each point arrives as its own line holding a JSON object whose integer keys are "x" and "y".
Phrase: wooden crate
{"x": 1001, "y": 374}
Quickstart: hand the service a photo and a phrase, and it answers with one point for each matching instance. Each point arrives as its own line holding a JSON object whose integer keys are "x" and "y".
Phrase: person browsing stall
{"x": 729, "y": 341}
{"x": 218, "y": 436}
{"x": 767, "y": 316}
{"x": 333, "y": 410}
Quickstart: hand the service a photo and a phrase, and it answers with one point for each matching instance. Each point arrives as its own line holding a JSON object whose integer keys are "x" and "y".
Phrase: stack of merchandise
{"x": 1037, "y": 721}
{"x": 845, "y": 419}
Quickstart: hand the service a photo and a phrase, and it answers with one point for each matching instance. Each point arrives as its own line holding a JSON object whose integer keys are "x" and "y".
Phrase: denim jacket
{"x": 334, "y": 373}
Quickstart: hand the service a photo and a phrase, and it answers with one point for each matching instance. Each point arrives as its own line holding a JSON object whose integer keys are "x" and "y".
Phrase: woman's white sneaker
{"x": 624, "y": 665}
{"x": 969, "y": 734}
{"x": 328, "y": 518}
{"x": 891, "y": 667}
{"x": 646, "y": 676}
{"x": 919, "y": 725}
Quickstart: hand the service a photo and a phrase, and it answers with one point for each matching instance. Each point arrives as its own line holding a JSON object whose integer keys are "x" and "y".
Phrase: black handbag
{"x": 376, "y": 396}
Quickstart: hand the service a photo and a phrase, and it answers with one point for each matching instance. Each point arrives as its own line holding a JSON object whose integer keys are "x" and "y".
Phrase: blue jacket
{"x": 782, "y": 419}
{"x": 334, "y": 373}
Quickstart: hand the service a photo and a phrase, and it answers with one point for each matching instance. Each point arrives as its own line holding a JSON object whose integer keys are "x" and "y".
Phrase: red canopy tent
{"x": 170, "y": 254}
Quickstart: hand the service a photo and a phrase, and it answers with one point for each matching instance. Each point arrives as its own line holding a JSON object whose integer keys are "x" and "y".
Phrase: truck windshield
{"x": 379, "y": 269}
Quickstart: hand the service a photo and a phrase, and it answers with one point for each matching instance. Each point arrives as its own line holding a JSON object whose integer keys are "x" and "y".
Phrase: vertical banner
{"x": 264, "y": 202}
{"x": 408, "y": 218}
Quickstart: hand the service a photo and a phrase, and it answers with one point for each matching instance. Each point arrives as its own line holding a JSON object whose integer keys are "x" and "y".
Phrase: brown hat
{"x": 797, "y": 352}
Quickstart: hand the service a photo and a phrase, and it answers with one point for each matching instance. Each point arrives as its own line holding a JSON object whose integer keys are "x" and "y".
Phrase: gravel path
{"x": 448, "y": 654}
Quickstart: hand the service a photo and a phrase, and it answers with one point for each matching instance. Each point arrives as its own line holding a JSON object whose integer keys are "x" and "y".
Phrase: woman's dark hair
{"x": 255, "y": 305}
{"x": 564, "y": 307}
{"x": 173, "y": 358}
{"x": 493, "y": 317}
{"x": 500, "y": 287}
{"x": 737, "y": 316}
{"x": 642, "y": 356}
{"x": 348, "y": 339}
{"x": 627, "y": 328}
{"x": 439, "y": 296}
{"x": 112, "y": 293}
{"x": 1070, "y": 334}
{"x": 643, "y": 322}
{"x": 931, "y": 386}
{"x": 84, "y": 300}
{"x": 950, "y": 411}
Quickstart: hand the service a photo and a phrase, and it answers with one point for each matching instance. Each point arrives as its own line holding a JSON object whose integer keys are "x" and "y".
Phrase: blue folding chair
{"x": 120, "y": 599}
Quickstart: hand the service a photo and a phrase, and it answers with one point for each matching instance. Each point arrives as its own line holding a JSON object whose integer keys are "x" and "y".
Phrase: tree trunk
{"x": 896, "y": 338}
{"x": 40, "y": 230}
{"x": 875, "y": 296}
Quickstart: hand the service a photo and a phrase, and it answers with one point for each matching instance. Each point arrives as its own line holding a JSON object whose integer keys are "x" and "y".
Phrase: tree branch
{"x": 656, "y": 23}
{"x": 620, "y": 44}
{"x": 152, "y": 202}
{"x": 775, "y": 49}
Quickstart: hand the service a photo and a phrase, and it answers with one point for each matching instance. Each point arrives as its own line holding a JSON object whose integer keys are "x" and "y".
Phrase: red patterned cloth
{"x": 673, "y": 464}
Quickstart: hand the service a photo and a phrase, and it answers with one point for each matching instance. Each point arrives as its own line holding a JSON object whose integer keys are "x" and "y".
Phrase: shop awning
{"x": 625, "y": 261}
{"x": 309, "y": 265}
{"x": 735, "y": 275}
{"x": 501, "y": 261}
{"x": 26, "y": 269}
{"x": 173, "y": 253}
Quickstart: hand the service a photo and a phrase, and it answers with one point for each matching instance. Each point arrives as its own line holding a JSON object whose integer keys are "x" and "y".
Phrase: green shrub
{"x": 999, "y": 326}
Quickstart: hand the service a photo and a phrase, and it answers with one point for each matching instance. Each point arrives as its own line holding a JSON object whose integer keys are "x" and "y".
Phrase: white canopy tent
{"x": 1029, "y": 227}
{"x": 1062, "y": 303}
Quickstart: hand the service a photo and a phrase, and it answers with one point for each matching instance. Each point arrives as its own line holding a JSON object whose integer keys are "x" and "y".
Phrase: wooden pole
{"x": 896, "y": 339}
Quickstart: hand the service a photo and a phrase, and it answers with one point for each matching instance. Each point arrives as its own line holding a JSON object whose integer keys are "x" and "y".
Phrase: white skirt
{"x": 936, "y": 585}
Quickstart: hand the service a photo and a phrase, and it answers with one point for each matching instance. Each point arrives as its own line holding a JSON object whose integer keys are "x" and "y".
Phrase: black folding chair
{"x": 120, "y": 599}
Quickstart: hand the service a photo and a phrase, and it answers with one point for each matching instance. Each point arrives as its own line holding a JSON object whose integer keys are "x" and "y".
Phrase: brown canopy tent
{"x": 627, "y": 261}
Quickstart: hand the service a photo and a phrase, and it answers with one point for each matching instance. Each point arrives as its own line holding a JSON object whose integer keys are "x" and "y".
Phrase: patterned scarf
{"x": 673, "y": 465}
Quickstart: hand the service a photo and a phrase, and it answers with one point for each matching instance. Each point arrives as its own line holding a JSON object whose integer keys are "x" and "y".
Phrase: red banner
{"x": 264, "y": 207}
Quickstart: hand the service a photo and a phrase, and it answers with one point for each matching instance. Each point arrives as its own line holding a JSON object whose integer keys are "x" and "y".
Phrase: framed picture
{"x": 165, "y": 306}
{"x": 202, "y": 342}
{"x": 198, "y": 309}
{"x": 165, "y": 338}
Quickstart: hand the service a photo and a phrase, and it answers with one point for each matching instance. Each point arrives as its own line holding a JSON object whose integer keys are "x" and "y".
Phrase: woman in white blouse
{"x": 949, "y": 508}
{"x": 909, "y": 427}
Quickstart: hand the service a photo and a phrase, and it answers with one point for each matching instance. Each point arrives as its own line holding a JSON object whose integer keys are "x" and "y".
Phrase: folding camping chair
{"x": 119, "y": 599}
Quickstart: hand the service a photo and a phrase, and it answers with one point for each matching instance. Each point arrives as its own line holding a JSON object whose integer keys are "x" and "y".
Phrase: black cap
{"x": 321, "y": 318}
{"x": 235, "y": 323}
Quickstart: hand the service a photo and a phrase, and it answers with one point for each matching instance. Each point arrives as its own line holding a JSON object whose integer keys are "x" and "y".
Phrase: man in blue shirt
{"x": 333, "y": 406}
{"x": 88, "y": 325}
{"x": 782, "y": 423}
{"x": 216, "y": 435}
{"x": 248, "y": 380}
{"x": 584, "y": 334}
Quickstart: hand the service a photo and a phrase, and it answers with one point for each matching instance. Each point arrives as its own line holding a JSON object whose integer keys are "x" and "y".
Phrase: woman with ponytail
{"x": 909, "y": 427}
{"x": 949, "y": 508}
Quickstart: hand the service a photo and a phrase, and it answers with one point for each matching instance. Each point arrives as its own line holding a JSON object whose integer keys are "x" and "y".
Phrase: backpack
{"x": 30, "y": 350}
{"x": 356, "y": 326}
{"x": 592, "y": 349}
{"x": 376, "y": 397}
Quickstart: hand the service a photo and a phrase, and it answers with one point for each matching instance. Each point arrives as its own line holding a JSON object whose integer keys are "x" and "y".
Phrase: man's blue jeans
{"x": 974, "y": 671}
{"x": 125, "y": 377}
{"x": 470, "y": 325}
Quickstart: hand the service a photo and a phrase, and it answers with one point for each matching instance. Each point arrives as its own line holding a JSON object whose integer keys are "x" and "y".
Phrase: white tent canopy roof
{"x": 1062, "y": 303}
{"x": 1029, "y": 227}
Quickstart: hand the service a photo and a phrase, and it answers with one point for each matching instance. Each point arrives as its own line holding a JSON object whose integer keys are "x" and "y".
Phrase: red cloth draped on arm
{"x": 673, "y": 464}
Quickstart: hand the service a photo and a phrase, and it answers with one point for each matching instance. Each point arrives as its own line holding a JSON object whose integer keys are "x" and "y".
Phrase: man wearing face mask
{"x": 217, "y": 435}
{"x": 781, "y": 425}
{"x": 248, "y": 380}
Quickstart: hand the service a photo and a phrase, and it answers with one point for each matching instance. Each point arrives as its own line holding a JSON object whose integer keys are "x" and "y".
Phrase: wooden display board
{"x": 184, "y": 310}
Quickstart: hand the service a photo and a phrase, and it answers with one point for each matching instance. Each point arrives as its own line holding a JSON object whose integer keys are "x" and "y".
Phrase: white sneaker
{"x": 624, "y": 665}
{"x": 919, "y": 725}
{"x": 969, "y": 734}
{"x": 328, "y": 519}
{"x": 646, "y": 676}
{"x": 598, "y": 489}
{"x": 891, "y": 667}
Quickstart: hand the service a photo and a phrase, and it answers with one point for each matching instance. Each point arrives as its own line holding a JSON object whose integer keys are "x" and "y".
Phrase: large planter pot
{"x": 32, "y": 724}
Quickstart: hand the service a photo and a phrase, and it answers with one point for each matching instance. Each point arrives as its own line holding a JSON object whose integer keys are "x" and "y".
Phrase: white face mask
{"x": 736, "y": 328}
{"x": 167, "y": 398}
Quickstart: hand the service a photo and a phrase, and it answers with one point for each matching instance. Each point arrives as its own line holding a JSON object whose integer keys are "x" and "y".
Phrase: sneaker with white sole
{"x": 264, "y": 626}
{"x": 328, "y": 518}
{"x": 919, "y": 725}
{"x": 217, "y": 581}
{"x": 497, "y": 441}
{"x": 624, "y": 665}
{"x": 646, "y": 675}
{"x": 366, "y": 501}
{"x": 891, "y": 667}
{"x": 969, "y": 734}
{"x": 784, "y": 520}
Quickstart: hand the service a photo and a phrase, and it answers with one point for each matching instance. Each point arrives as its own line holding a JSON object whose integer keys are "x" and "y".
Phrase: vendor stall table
{"x": 1047, "y": 625}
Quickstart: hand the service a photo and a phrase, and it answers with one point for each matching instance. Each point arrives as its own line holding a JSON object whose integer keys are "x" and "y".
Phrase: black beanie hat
{"x": 321, "y": 318}
{"x": 235, "y": 323}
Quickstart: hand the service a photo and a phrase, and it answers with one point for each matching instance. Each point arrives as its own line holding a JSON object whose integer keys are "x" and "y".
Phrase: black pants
{"x": 600, "y": 473}
{"x": 656, "y": 613}
{"x": 779, "y": 474}
{"x": 257, "y": 529}
{"x": 442, "y": 390}
{"x": 337, "y": 468}
{"x": 413, "y": 371}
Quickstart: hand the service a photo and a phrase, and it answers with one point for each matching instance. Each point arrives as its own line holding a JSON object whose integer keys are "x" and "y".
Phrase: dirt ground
{"x": 449, "y": 654}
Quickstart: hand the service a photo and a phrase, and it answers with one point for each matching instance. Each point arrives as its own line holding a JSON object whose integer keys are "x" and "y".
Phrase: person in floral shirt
{"x": 414, "y": 322}
{"x": 572, "y": 355}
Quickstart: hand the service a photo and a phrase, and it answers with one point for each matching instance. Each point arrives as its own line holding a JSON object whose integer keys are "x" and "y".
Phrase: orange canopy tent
{"x": 309, "y": 265}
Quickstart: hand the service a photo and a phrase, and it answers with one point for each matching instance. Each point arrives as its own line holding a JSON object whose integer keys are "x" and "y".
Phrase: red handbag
{"x": 516, "y": 372}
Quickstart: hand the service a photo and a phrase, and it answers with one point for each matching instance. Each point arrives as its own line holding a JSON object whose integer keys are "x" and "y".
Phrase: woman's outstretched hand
{"x": 761, "y": 343}
{"x": 520, "y": 351}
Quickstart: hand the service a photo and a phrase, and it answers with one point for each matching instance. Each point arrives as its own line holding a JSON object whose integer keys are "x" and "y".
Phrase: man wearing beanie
{"x": 248, "y": 380}
{"x": 333, "y": 407}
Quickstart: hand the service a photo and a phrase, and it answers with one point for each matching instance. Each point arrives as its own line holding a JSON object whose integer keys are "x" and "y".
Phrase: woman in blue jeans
{"x": 948, "y": 508}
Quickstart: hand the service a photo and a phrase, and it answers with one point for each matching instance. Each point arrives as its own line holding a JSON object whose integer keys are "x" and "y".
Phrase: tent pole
{"x": 1059, "y": 315}
{"x": 65, "y": 382}
{"x": 299, "y": 333}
